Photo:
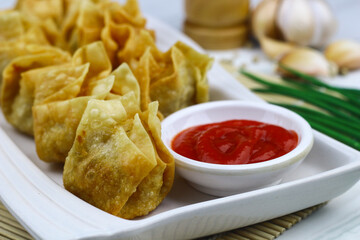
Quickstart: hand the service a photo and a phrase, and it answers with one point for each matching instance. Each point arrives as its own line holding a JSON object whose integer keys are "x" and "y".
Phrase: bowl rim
{"x": 298, "y": 153}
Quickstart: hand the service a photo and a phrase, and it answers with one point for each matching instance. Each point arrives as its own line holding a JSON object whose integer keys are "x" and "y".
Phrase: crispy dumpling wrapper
{"x": 124, "y": 43}
{"x": 56, "y": 83}
{"x": 100, "y": 65}
{"x": 16, "y": 100}
{"x": 121, "y": 85}
{"x": 11, "y": 26}
{"x": 55, "y": 123}
{"x": 125, "y": 82}
{"x": 176, "y": 78}
{"x": 144, "y": 72}
{"x": 40, "y": 10}
{"x": 153, "y": 189}
{"x": 45, "y": 85}
{"x": 128, "y": 13}
{"x": 55, "y": 126}
{"x": 11, "y": 50}
{"x": 129, "y": 102}
{"x": 124, "y": 34}
{"x": 111, "y": 155}
{"x": 83, "y": 24}
{"x": 46, "y": 17}
{"x": 186, "y": 85}
{"x": 35, "y": 35}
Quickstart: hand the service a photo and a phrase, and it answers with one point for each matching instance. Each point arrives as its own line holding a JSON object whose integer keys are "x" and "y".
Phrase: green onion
{"x": 307, "y": 94}
{"x": 351, "y": 94}
{"x": 343, "y": 119}
{"x": 335, "y": 134}
{"x": 328, "y": 122}
{"x": 310, "y": 99}
{"x": 355, "y": 127}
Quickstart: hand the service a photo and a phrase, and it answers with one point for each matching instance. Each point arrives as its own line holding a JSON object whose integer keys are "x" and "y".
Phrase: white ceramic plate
{"x": 33, "y": 191}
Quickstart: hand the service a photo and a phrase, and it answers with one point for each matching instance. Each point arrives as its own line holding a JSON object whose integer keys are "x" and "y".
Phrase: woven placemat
{"x": 11, "y": 229}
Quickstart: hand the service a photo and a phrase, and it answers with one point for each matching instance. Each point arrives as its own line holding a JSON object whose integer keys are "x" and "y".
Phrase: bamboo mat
{"x": 11, "y": 229}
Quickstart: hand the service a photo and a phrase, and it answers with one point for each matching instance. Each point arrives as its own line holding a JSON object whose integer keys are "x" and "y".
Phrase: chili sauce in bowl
{"x": 227, "y": 147}
{"x": 234, "y": 142}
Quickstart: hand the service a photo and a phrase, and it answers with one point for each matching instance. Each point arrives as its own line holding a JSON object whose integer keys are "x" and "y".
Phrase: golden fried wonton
{"x": 55, "y": 125}
{"x": 100, "y": 66}
{"x": 57, "y": 83}
{"x": 186, "y": 85}
{"x": 11, "y": 26}
{"x": 176, "y": 79}
{"x": 83, "y": 24}
{"x": 11, "y": 50}
{"x": 40, "y": 10}
{"x": 17, "y": 96}
{"x": 50, "y": 130}
{"x": 124, "y": 34}
{"x": 153, "y": 189}
{"x": 97, "y": 111}
{"x": 111, "y": 155}
{"x": 128, "y": 13}
{"x": 125, "y": 82}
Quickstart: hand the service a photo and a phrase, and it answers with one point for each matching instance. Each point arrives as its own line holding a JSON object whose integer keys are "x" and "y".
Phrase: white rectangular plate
{"x": 33, "y": 190}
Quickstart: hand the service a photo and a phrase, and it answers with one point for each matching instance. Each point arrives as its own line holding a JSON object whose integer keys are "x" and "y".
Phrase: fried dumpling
{"x": 125, "y": 82}
{"x": 121, "y": 85}
{"x": 176, "y": 79}
{"x": 153, "y": 189}
{"x": 186, "y": 85}
{"x": 100, "y": 66}
{"x": 124, "y": 35}
{"x": 10, "y": 50}
{"x": 111, "y": 155}
{"x": 55, "y": 123}
{"x": 11, "y": 26}
{"x": 83, "y": 24}
{"x": 56, "y": 83}
{"x": 45, "y": 85}
{"x": 17, "y": 96}
{"x": 144, "y": 71}
{"x": 39, "y": 10}
{"x": 128, "y": 13}
{"x": 55, "y": 126}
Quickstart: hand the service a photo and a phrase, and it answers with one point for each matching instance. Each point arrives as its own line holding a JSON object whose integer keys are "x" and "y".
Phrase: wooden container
{"x": 218, "y": 38}
{"x": 217, "y": 13}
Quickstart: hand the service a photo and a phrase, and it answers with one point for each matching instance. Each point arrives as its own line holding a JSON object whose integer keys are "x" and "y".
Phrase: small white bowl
{"x": 224, "y": 180}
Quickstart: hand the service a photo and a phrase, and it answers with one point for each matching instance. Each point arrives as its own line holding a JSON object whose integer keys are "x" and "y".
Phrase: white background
{"x": 347, "y": 13}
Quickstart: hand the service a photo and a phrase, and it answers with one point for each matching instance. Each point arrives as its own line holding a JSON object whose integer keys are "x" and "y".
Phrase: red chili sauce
{"x": 234, "y": 142}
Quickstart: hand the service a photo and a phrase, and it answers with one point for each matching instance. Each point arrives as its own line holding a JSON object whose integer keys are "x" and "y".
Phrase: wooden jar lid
{"x": 217, "y": 13}
{"x": 218, "y": 38}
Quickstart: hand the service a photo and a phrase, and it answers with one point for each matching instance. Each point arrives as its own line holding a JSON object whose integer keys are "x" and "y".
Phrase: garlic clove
{"x": 344, "y": 53}
{"x": 263, "y": 19}
{"x": 308, "y": 61}
{"x": 296, "y": 21}
{"x": 324, "y": 23}
{"x": 274, "y": 49}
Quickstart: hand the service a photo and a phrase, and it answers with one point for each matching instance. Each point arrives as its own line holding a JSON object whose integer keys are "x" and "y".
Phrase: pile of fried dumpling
{"x": 87, "y": 81}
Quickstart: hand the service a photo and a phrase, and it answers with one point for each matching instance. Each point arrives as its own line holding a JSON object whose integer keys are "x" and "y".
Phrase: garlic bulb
{"x": 308, "y": 61}
{"x": 263, "y": 19}
{"x": 303, "y": 22}
{"x": 344, "y": 53}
